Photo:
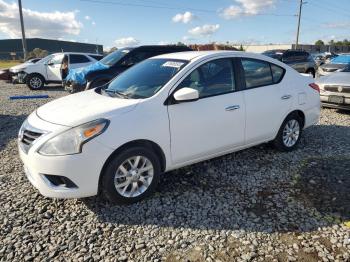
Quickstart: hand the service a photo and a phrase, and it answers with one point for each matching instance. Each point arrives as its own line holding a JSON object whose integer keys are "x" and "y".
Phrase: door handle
{"x": 231, "y": 108}
{"x": 285, "y": 97}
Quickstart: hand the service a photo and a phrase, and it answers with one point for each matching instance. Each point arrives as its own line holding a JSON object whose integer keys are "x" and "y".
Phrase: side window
{"x": 97, "y": 57}
{"x": 289, "y": 56}
{"x": 77, "y": 59}
{"x": 136, "y": 57}
{"x": 213, "y": 78}
{"x": 57, "y": 59}
{"x": 277, "y": 73}
{"x": 257, "y": 73}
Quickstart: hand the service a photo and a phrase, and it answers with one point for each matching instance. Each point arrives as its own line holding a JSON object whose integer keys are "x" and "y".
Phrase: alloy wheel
{"x": 35, "y": 82}
{"x": 134, "y": 176}
{"x": 291, "y": 133}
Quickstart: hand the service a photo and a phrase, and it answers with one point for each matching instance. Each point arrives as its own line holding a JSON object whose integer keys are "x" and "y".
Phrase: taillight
{"x": 315, "y": 87}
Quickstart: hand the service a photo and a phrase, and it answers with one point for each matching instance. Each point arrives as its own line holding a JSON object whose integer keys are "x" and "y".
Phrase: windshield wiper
{"x": 115, "y": 92}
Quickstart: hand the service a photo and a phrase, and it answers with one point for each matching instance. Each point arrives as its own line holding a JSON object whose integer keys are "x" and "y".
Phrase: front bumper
{"x": 325, "y": 101}
{"x": 18, "y": 78}
{"x": 82, "y": 169}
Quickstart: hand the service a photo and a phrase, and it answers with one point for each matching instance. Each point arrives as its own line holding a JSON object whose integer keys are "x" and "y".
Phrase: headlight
{"x": 71, "y": 141}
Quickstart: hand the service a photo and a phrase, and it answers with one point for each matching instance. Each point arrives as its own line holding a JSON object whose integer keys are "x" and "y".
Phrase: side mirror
{"x": 50, "y": 64}
{"x": 186, "y": 94}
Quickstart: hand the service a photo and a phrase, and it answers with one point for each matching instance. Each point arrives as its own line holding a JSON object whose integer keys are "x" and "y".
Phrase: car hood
{"x": 338, "y": 78}
{"x": 83, "y": 107}
{"x": 19, "y": 67}
{"x": 334, "y": 66}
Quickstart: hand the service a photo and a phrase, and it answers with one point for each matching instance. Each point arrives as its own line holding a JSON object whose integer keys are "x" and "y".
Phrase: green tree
{"x": 319, "y": 42}
{"x": 241, "y": 48}
{"x": 38, "y": 53}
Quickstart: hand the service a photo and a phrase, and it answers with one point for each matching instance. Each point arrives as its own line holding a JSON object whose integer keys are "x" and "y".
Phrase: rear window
{"x": 257, "y": 73}
{"x": 277, "y": 73}
{"x": 77, "y": 59}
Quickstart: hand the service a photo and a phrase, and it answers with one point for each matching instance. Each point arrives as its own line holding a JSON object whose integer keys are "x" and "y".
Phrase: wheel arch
{"x": 298, "y": 112}
{"x": 33, "y": 74}
{"x": 137, "y": 143}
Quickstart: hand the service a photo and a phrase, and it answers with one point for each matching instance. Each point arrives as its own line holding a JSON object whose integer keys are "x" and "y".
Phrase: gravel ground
{"x": 254, "y": 205}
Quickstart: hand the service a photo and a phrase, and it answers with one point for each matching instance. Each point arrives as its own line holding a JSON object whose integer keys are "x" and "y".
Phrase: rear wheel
{"x": 131, "y": 176}
{"x": 35, "y": 82}
{"x": 289, "y": 134}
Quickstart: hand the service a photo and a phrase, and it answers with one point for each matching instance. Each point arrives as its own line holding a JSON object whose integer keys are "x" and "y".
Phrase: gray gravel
{"x": 254, "y": 205}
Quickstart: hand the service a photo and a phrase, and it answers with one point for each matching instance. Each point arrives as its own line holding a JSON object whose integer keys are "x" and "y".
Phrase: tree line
{"x": 345, "y": 42}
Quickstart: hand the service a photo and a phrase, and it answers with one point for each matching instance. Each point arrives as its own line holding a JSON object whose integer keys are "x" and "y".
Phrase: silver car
{"x": 335, "y": 65}
{"x": 335, "y": 89}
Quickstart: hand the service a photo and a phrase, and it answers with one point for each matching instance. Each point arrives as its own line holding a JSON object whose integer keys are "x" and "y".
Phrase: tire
{"x": 281, "y": 141}
{"x": 311, "y": 72}
{"x": 35, "y": 82}
{"x": 96, "y": 83}
{"x": 129, "y": 177}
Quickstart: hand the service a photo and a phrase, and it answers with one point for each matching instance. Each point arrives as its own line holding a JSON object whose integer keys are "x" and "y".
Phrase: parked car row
{"x": 79, "y": 72}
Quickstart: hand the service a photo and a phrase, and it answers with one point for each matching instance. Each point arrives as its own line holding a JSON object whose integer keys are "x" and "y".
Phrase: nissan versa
{"x": 164, "y": 113}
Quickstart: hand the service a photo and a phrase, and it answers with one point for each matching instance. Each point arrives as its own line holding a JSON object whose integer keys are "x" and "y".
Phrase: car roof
{"x": 196, "y": 55}
{"x": 76, "y": 53}
{"x": 161, "y": 47}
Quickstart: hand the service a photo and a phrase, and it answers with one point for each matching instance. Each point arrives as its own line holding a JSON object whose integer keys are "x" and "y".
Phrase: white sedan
{"x": 164, "y": 113}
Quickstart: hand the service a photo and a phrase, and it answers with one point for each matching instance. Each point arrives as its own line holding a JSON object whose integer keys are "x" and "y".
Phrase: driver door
{"x": 53, "y": 68}
{"x": 214, "y": 123}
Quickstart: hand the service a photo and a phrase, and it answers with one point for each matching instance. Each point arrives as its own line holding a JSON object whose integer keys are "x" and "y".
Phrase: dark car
{"x": 5, "y": 75}
{"x": 113, "y": 64}
{"x": 301, "y": 61}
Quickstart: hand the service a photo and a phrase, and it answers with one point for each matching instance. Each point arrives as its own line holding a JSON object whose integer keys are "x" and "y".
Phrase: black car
{"x": 301, "y": 61}
{"x": 113, "y": 64}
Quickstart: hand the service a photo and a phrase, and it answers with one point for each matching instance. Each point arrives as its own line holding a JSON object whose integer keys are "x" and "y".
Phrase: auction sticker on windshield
{"x": 173, "y": 64}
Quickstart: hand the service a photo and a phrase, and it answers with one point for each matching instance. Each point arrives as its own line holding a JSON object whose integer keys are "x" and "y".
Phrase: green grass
{"x": 8, "y": 63}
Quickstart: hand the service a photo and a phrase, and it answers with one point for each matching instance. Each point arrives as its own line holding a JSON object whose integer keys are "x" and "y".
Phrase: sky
{"x": 134, "y": 22}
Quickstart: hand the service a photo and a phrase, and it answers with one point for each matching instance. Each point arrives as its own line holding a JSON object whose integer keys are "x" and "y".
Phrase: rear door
{"x": 78, "y": 60}
{"x": 267, "y": 100}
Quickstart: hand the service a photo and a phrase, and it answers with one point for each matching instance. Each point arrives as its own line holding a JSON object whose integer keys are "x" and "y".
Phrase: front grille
{"x": 28, "y": 135}
{"x": 338, "y": 89}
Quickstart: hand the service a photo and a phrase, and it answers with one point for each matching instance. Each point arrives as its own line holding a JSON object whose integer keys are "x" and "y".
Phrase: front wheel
{"x": 35, "y": 82}
{"x": 289, "y": 134}
{"x": 131, "y": 176}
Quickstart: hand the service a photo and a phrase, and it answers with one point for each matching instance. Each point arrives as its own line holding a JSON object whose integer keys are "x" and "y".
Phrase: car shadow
{"x": 9, "y": 125}
{"x": 245, "y": 190}
{"x": 52, "y": 88}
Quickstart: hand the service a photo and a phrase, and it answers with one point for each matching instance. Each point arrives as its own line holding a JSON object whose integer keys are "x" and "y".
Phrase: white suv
{"x": 164, "y": 113}
{"x": 50, "y": 69}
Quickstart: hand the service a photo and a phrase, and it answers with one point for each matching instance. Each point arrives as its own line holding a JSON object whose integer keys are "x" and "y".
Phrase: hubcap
{"x": 133, "y": 176}
{"x": 291, "y": 133}
{"x": 35, "y": 82}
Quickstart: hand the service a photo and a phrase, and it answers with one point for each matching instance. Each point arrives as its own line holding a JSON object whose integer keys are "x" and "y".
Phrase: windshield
{"x": 145, "y": 79}
{"x": 115, "y": 56}
{"x": 342, "y": 59}
{"x": 45, "y": 59}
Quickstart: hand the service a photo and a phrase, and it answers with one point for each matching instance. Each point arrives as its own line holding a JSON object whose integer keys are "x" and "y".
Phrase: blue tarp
{"x": 342, "y": 59}
{"x": 78, "y": 75}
